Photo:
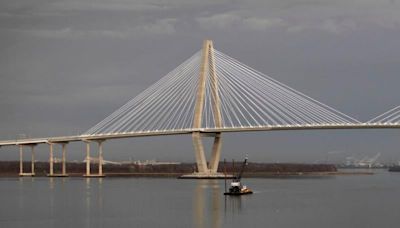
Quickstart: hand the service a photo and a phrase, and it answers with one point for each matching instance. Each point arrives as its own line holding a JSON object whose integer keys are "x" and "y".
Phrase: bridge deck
{"x": 66, "y": 139}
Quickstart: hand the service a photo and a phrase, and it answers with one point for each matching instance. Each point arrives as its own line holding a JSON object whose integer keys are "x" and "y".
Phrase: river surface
{"x": 338, "y": 201}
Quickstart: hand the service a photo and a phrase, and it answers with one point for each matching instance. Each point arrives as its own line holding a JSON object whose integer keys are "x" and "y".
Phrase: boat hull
{"x": 237, "y": 194}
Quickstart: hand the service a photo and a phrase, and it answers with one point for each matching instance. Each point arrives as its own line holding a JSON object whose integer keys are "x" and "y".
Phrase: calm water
{"x": 342, "y": 201}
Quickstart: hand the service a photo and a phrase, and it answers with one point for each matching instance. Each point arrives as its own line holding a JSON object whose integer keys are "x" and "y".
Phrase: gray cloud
{"x": 66, "y": 64}
{"x": 159, "y": 27}
{"x": 235, "y": 21}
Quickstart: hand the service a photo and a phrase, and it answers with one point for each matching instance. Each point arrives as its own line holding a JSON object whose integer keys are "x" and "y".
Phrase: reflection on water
{"x": 233, "y": 204}
{"x": 87, "y": 202}
{"x": 51, "y": 183}
{"x": 158, "y": 202}
{"x": 94, "y": 200}
{"x": 206, "y": 211}
{"x": 51, "y": 195}
{"x": 209, "y": 202}
{"x": 20, "y": 194}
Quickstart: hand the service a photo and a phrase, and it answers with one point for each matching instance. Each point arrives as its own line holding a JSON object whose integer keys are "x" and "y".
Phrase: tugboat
{"x": 236, "y": 187}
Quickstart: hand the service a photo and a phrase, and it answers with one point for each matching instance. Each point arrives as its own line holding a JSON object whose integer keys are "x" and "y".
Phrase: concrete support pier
{"x": 51, "y": 160}
{"x": 63, "y": 161}
{"x": 216, "y": 153}
{"x": 87, "y": 159}
{"x": 207, "y": 68}
{"x": 100, "y": 143}
{"x": 199, "y": 152}
{"x": 21, "y": 161}
{"x": 100, "y": 159}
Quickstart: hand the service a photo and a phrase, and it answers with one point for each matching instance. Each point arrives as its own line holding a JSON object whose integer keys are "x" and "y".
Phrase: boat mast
{"x": 241, "y": 171}
{"x": 225, "y": 172}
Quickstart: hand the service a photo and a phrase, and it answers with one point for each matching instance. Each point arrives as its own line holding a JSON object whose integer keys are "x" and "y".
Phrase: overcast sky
{"x": 67, "y": 64}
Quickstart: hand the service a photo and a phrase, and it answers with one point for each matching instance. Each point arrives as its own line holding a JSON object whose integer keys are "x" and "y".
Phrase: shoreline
{"x": 252, "y": 170}
{"x": 177, "y": 175}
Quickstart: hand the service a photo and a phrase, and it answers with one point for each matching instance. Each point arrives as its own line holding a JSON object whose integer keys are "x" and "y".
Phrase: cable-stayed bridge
{"x": 209, "y": 94}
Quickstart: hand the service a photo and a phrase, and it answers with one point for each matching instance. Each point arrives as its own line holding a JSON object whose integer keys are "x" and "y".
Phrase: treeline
{"x": 395, "y": 168}
{"x": 8, "y": 168}
{"x": 278, "y": 167}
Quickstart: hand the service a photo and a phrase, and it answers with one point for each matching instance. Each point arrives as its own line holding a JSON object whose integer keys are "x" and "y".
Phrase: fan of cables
{"x": 245, "y": 98}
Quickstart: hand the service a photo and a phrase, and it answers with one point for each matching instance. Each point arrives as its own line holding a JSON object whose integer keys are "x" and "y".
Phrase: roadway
{"x": 99, "y": 137}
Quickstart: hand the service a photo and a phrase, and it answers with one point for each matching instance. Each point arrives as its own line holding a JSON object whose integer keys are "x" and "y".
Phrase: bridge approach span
{"x": 67, "y": 139}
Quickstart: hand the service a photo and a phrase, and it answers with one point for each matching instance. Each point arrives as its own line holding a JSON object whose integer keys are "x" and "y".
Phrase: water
{"x": 341, "y": 201}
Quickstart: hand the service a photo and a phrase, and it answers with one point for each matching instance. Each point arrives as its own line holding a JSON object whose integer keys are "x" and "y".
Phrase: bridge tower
{"x": 207, "y": 69}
